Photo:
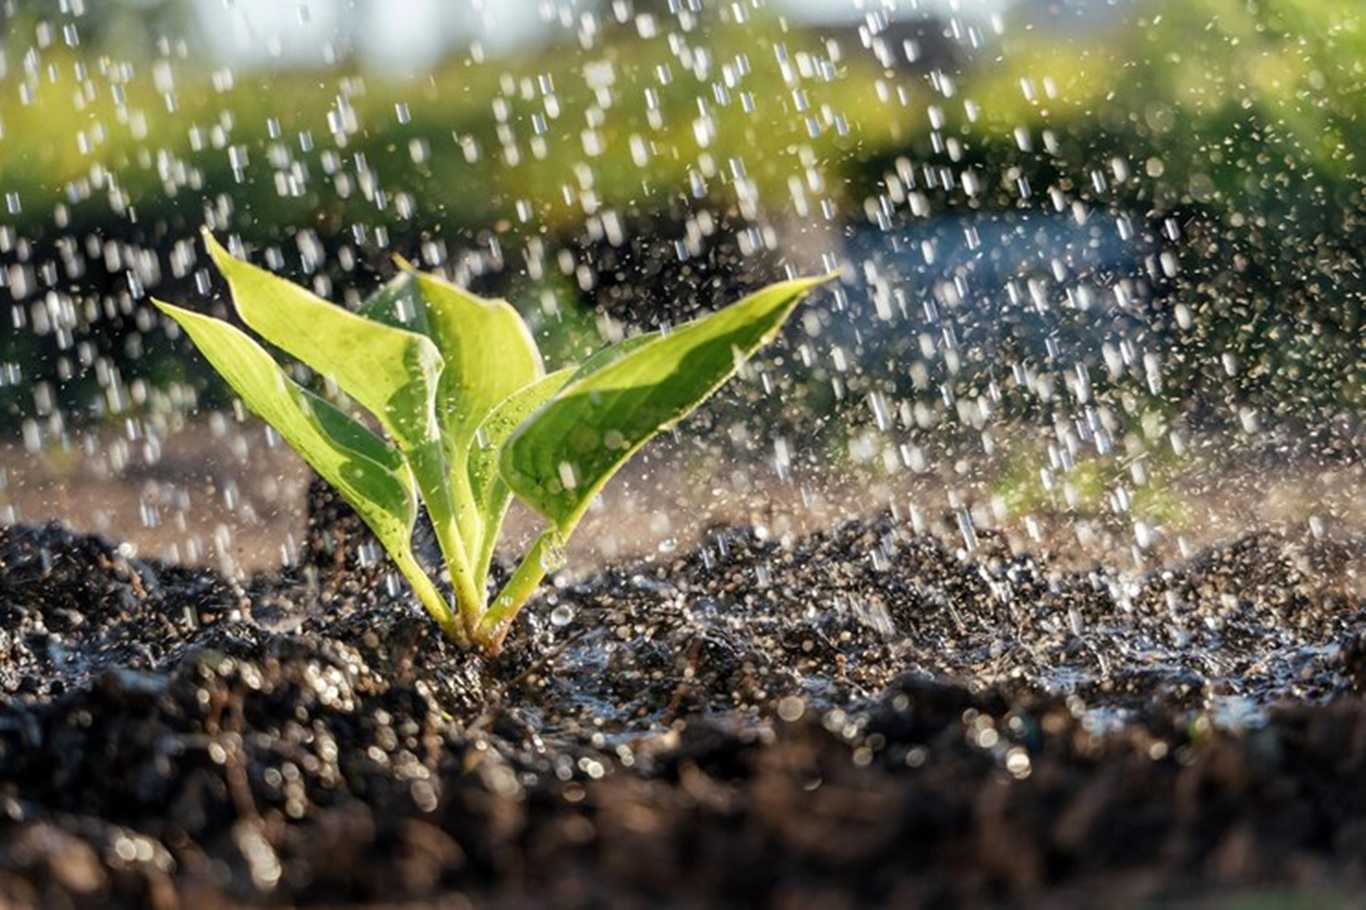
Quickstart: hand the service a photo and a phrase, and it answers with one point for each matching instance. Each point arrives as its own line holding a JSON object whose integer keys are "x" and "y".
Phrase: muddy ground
{"x": 861, "y": 716}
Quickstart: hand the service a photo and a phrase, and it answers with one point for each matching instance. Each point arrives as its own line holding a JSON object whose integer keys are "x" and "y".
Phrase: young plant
{"x": 469, "y": 415}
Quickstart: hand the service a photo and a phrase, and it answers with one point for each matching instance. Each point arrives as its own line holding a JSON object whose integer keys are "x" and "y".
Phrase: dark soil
{"x": 862, "y": 717}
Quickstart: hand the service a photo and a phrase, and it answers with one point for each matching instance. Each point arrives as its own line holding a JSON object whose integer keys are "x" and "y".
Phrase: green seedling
{"x": 468, "y": 414}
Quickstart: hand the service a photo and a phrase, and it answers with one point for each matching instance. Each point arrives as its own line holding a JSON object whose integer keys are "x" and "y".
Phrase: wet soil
{"x": 861, "y": 716}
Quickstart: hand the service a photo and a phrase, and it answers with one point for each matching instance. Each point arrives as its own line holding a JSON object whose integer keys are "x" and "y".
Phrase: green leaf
{"x": 391, "y": 372}
{"x": 613, "y": 353}
{"x": 490, "y": 493}
{"x": 489, "y": 356}
{"x": 398, "y": 303}
{"x": 365, "y": 469}
{"x": 368, "y": 472}
{"x": 560, "y": 458}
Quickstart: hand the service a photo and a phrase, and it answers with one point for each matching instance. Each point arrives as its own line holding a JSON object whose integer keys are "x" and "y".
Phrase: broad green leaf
{"x": 392, "y": 372}
{"x": 487, "y": 349}
{"x": 367, "y": 471}
{"x": 490, "y": 493}
{"x": 559, "y": 459}
{"x": 613, "y": 353}
{"x": 398, "y": 303}
{"x": 489, "y": 354}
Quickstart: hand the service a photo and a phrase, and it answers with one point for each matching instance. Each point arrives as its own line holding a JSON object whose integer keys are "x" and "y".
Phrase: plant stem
{"x": 429, "y": 470}
{"x": 467, "y": 517}
{"x": 431, "y": 598}
{"x": 484, "y": 558}
{"x": 469, "y": 599}
{"x": 543, "y": 556}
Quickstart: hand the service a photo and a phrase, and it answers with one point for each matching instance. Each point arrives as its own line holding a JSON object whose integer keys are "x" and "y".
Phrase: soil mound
{"x": 863, "y": 716}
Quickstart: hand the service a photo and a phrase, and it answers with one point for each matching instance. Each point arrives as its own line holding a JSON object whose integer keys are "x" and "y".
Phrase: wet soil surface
{"x": 858, "y": 717}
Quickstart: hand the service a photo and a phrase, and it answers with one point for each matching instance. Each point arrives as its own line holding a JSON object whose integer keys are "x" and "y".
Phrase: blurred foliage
{"x": 545, "y": 139}
{"x": 1030, "y": 483}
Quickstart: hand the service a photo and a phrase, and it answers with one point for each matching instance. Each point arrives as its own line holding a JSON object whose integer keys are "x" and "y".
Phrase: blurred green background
{"x": 616, "y": 163}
